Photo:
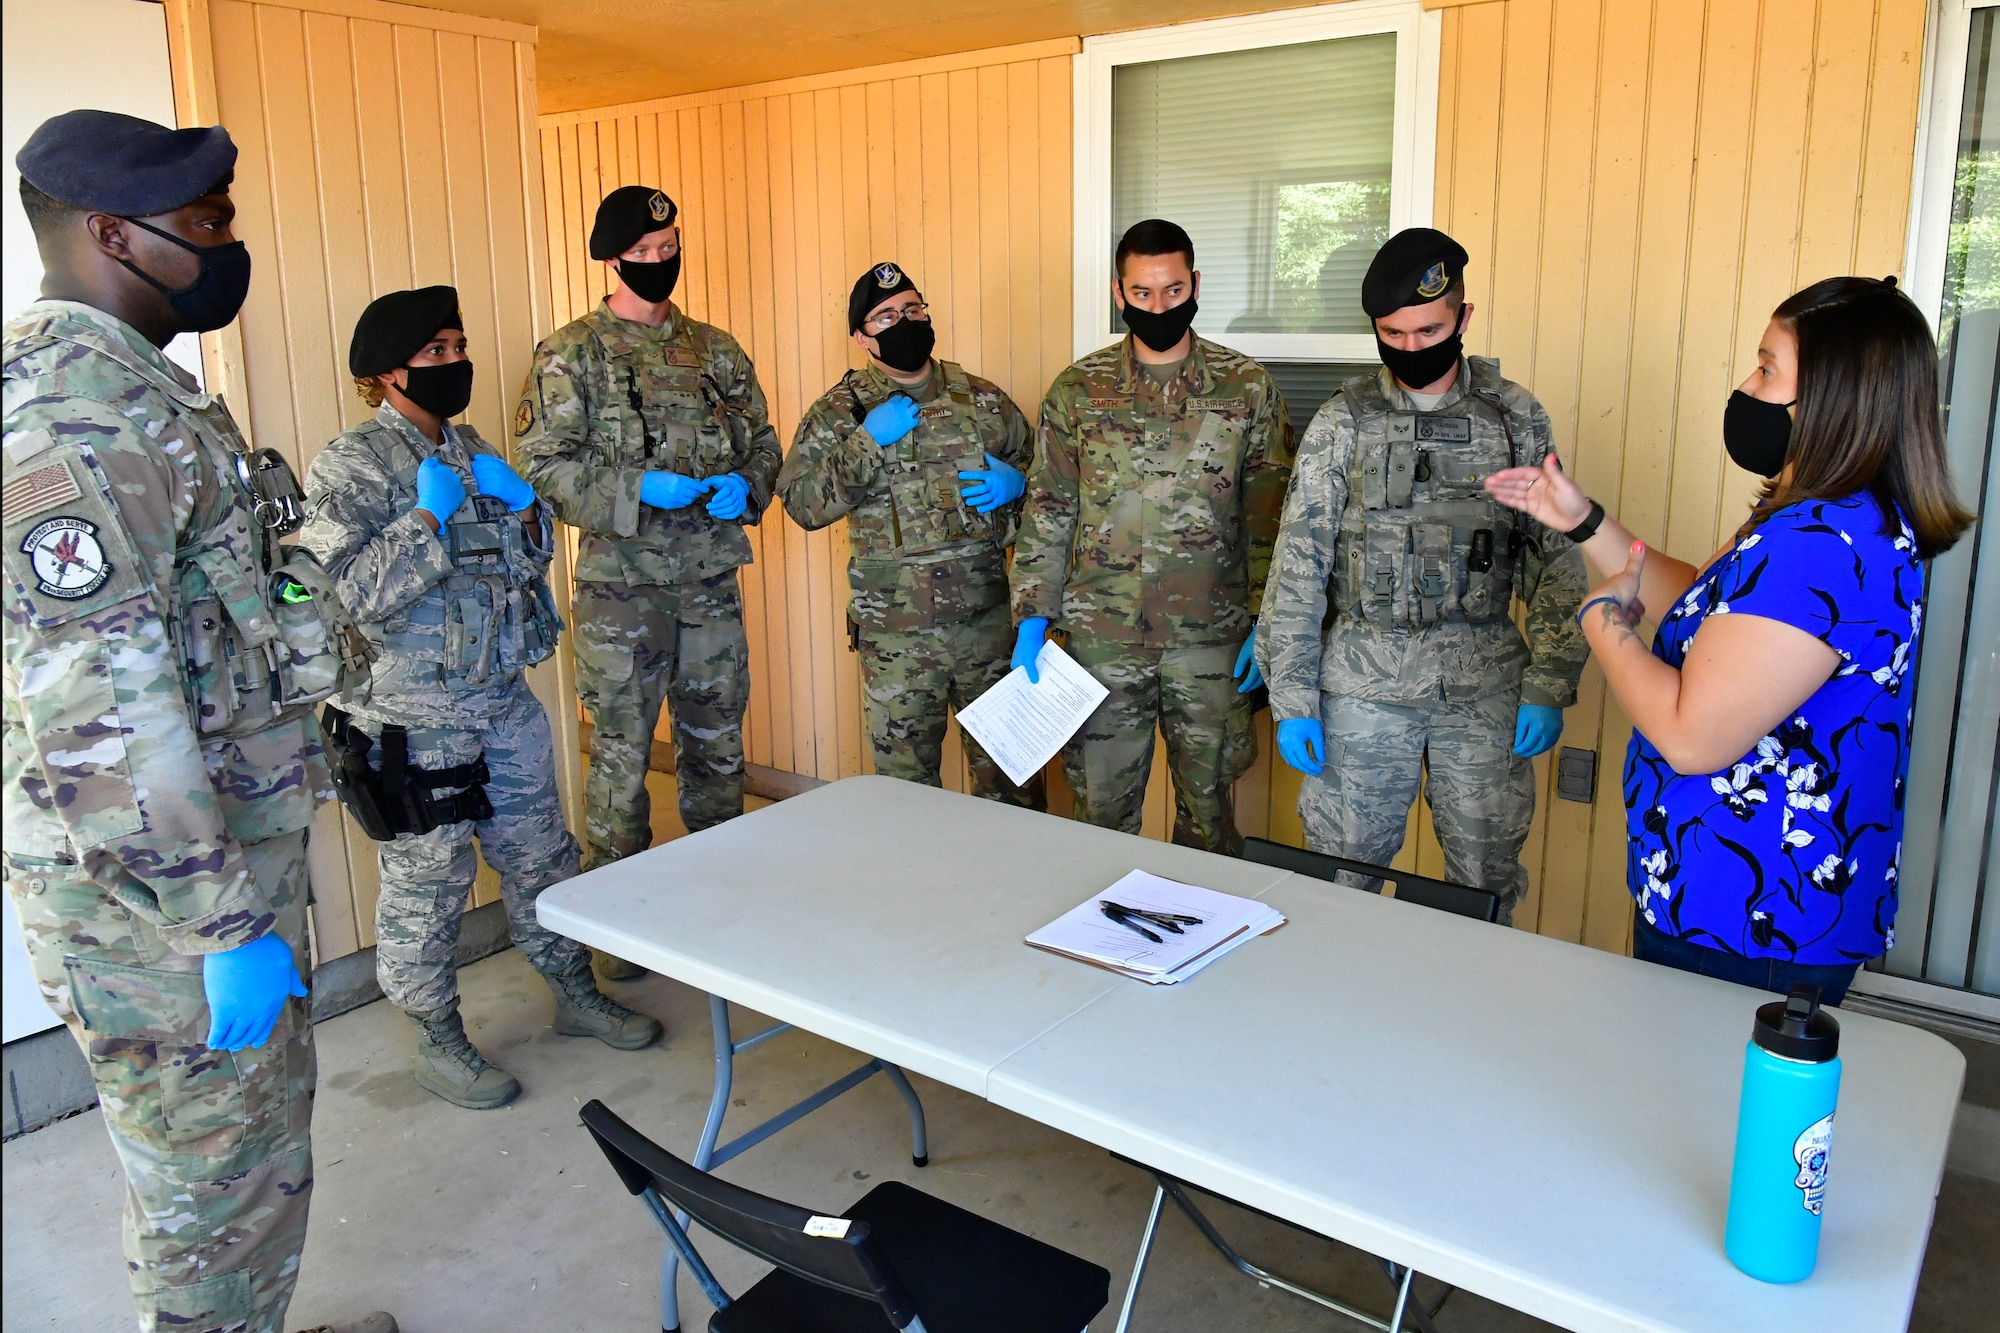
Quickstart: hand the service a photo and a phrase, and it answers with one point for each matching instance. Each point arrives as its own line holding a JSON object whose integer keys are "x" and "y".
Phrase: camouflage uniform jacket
{"x": 607, "y": 401}
{"x": 455, "y": 615}
{"x": 1151, "y": 509}
{"x": 1395, "y": 574}
{"x": 920, "y": 555}
{"x": 131, "y": 552}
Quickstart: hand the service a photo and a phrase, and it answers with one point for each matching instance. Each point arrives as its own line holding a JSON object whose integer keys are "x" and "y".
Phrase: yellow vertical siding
{"x": 1639, "y": 184}
{"x": 382, "y": 147}
{"x": 957, "y": 168}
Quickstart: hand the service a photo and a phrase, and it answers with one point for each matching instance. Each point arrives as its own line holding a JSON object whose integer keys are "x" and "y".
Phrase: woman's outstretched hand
{"x": 1545, "y": 494}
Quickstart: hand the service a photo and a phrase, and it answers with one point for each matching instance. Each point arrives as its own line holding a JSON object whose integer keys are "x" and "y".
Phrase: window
{"x": 1289, "y": 145}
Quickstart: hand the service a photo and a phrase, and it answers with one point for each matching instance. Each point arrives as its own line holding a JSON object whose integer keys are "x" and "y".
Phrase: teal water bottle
{"x": 1784, "y": 1134}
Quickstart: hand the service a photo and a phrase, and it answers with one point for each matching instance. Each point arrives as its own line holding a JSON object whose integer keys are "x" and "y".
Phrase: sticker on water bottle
{"x": 1809, "y": 1150}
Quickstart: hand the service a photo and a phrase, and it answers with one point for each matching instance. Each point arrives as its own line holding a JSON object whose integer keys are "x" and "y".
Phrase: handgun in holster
{"x": 399, "y": 797}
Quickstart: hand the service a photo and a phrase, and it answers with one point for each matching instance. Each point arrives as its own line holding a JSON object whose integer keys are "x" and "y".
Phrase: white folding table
{"x": 1547, "y": 1125}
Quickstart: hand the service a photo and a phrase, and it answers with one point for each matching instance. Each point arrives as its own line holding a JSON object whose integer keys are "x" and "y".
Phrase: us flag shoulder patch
{"x": 31, "y": 493}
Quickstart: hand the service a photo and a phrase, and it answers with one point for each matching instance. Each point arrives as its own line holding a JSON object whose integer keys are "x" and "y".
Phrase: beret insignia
{"x": 1432, "y": 284}
{"x": 658, "y": 206}
{"x": 888, "y": 275}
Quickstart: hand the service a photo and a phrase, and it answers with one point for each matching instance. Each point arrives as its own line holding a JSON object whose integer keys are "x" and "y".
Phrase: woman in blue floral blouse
{"x": 1771, "y": 716}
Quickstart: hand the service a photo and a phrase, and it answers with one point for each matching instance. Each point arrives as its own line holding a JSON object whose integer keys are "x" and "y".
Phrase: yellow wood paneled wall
{"x": 382, "y": 147}
{"x": 957, "y": 168}
{"x": 1639, "y": 182}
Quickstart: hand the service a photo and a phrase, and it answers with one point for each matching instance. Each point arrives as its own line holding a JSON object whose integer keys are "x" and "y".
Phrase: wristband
{"x": 1593, "y": 602}
{"x": 1587, "y": 529}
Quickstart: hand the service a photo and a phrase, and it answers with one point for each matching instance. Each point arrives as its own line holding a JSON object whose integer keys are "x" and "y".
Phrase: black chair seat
{"x": 965, "y": 1274}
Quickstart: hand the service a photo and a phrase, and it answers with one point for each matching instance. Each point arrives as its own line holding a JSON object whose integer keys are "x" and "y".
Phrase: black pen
{"x": 1164, "y": 920}
{"x": 1118, "y": 915}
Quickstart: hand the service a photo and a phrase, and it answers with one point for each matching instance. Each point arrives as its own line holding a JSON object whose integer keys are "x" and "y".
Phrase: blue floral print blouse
{"x": 1792, "y": 851}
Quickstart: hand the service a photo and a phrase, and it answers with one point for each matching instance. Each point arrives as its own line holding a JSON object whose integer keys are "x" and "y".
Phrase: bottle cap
{"x": 1797, "y": 1028}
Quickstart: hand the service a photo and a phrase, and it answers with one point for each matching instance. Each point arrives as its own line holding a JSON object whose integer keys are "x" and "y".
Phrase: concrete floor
{"x": 510, "y": 1219}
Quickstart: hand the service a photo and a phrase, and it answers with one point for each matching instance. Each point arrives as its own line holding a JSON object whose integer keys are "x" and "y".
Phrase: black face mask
{"x": 442, "y": 391}
{"x": 1162, "y": 331}
{"x": 1757, "y": 434}
{"x": 652, "y": 283}
{"x": 216, "y": 293}
{"x": 1426, "y": 365}
{"x": 906, "y": 345}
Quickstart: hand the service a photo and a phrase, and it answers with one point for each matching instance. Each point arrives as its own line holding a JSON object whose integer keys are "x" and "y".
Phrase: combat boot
{"x": 375, "y": 1321}
{"x": 613, "y": 968}
{"x": 449, "y": 1065}
{"x": 582, "y": 1010}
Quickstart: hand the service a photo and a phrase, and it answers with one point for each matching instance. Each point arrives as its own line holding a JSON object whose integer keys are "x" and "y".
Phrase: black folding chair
{"x": 1459, "y": 899}
{"x": 897, "y": 1260}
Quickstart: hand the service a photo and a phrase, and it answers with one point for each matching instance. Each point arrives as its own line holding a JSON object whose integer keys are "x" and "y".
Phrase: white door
{"x": 1948, "y": 925}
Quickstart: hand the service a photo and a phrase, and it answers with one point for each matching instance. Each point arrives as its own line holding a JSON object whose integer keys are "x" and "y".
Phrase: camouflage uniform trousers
{"x": 1482, "y": 794}
{"x": 216, "y": 1145}
{"x": 638, "y": 648}
{"x": 1190, "y": 693}
{"x": 910, "y": 676}
{"x": 427, "y": 877}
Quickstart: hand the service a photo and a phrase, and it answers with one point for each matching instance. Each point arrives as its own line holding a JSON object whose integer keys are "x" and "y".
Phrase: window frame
{"x": 1413, "y": 159}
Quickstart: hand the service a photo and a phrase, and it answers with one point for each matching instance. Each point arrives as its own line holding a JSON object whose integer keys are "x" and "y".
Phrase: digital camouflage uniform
{"x": 927, "y": 572}
{"x": 1146, "y": 536}
{"x": 658, "y": 615}
{"x": 161, "y": 769}
{"x": 456, "y": 616}
{"x": 1420, "y": 657}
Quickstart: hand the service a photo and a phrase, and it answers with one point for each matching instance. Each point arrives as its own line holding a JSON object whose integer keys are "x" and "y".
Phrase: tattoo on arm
{"x": 1611, "y": 617}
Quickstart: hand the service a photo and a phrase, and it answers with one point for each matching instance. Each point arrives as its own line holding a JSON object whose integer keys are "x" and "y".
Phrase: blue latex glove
{"x": 1302, "y": 743}
{"x": 1028, "y": 641}
{"x": 1000, "y": 484}
{"x": 1246, "y": 661}
{"x": 731, "y": 496}
{"x": 1536, "y": 728}
{"x": 439, "y": 491}
{"x": 670, "y": 490}
{"x": 892, "y": 420}
{"x": 501, "y": 482}
{"x": 246, "y": 989}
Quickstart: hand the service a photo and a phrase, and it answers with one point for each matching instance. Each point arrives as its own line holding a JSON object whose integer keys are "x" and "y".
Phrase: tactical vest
{"x": 494, "y": 611}
{"x": 1420, "y": 540}
{"x": 667, "y": 414}
{"x": 260, "y": 635}
{"x": 926, "y": 513}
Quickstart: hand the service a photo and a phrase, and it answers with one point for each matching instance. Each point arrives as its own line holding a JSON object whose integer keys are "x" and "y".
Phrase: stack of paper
{"x": 1222, "y": 921}
{"x": 1022, "y": 725}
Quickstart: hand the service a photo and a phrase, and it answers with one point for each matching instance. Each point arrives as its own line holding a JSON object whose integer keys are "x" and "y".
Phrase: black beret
{"x": 1414, "y": 267}
{"x": 874, "y": 287}
{"x": 395, "y": 328}
{"x": 110, "y": 163}
{"x": 627, "y": 213}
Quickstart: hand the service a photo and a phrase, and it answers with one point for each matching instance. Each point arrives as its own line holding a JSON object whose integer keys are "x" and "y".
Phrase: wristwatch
{"x": 1587, "y": 529}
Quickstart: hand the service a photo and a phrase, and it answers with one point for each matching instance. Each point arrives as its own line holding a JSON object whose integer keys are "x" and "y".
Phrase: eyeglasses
{"x": 890, "y": 318}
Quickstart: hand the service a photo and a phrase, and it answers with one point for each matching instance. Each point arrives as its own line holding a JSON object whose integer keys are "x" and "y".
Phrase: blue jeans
{"x": 1772, "y": 974}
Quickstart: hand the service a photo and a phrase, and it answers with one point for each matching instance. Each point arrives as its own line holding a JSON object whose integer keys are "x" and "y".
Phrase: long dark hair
{"x": 1868, "y": 411}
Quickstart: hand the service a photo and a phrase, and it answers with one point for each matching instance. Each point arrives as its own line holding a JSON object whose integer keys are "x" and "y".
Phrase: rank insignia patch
{"x": 1432, "y": 284}
{"x": 67, "y": 559}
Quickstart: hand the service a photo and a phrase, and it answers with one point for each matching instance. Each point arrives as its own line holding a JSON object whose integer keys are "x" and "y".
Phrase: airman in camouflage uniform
{"x": 1146, "y": 537}
{"x": 162, "y": 765}
{"x": 457, "y": 609}
{"x": 1389, "y": 620}
{"x": 930, "y": 514}
{"x": 630, "y": 414}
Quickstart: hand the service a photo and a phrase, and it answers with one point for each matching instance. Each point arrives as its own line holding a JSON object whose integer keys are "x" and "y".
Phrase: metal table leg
{"x": 1139, "y": 1264}
{"x": 707, "y": 1155}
